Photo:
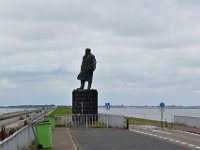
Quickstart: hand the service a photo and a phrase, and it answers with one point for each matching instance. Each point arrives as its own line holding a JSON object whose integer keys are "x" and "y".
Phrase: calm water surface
{"x": 8, "y": 110}
{"x": 151, "y": 113}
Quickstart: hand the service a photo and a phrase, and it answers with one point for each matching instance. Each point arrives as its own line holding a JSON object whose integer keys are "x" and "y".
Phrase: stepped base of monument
{"x": 85, "y": 118}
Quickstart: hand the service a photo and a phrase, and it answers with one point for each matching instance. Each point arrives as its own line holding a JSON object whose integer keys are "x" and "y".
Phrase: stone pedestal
{"x": 85, "y": 102}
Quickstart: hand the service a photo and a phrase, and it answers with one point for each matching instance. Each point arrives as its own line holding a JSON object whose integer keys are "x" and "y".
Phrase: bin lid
{"x": 42, "y": 122}
{"x": 49, "y": 116}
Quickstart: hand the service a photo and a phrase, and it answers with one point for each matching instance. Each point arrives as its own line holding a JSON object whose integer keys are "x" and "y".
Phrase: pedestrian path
{"x": 61, "y": 139}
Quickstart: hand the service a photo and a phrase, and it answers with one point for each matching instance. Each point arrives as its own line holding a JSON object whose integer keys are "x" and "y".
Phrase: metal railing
{"x": 91, "y": 120}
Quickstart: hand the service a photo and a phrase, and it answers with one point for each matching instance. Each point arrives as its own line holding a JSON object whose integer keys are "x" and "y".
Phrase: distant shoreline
{"x": 100, "y": 106}
{"x": 156, "y": 107}
{"x": 28, "y": 106}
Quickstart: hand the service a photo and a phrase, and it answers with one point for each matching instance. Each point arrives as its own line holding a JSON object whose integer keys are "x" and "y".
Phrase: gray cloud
{"x": 146, "y": 50}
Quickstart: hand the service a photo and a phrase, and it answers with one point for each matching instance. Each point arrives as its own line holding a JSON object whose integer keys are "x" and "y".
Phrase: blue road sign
{"x": 162, "y": 105}
{"x": 107, "y": 106}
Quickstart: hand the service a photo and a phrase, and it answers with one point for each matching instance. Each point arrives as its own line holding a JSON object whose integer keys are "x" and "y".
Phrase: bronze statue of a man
{"x": 87, "y": 68}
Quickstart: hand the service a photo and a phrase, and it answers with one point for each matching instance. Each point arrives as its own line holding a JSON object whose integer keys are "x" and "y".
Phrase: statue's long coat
{"x": 87, "y": 67}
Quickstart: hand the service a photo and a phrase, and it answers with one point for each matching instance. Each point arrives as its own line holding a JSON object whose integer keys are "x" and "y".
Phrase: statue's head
{"x": 87, "y": 51}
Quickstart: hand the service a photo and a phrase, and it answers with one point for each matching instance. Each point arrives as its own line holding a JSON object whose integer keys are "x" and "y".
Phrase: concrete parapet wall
{"x": 20, "y": 140}
{"x": 112, "y": 120}
{"x": 189, "y": 121}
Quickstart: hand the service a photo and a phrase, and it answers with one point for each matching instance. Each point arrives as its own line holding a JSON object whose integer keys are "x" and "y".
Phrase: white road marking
{"x": 161, "y": 132}
{"x": 197, "y": 147}
{"x": 191, "y": 145}
{"x": 167, "y": 139}
{"x": 183, "y": 143}
{"x": 187, "y": 132}
{"x": 177, "y": 141}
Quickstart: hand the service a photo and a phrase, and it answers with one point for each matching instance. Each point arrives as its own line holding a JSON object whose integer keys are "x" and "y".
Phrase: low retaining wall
{"x": 188, "y": 121}
{"x": 113, "y": 120}
{"x": 19, "y": 140}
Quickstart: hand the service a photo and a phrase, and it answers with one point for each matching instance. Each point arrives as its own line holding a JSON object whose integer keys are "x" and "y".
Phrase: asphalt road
{"x": 186, "y": 139}
{"x": 119, "y": 139}
{"x": 15, "y": 120}
{"x": 9, "y": 121}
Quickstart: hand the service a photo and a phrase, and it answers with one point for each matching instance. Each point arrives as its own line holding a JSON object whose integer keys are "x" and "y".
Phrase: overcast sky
{"x": 147, "y": 51}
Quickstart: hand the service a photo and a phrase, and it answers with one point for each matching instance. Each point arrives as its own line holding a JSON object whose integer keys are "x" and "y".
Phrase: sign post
{"x": 107, "y": 106}
{"x": 162, "y": 109}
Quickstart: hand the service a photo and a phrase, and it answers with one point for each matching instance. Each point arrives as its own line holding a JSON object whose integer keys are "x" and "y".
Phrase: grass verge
{"x": 61, "y": 111}
{"x": 141, "y": 121}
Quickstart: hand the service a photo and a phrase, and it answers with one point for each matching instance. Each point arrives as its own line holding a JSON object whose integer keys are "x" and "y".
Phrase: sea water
{"x": 9, "y": 110}
{"x": 151, "y": 113}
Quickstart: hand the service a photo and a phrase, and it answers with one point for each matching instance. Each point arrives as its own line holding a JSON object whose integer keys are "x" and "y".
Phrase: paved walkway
{"x": 61, "y": 139}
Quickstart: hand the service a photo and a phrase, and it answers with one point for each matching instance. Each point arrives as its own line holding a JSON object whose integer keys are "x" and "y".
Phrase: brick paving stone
{"x": 61, "y": 139}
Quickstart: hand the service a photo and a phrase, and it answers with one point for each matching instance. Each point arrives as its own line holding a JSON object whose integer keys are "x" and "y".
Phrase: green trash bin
{"x": 51, "y": 120}
{"x": 43, "y": 134}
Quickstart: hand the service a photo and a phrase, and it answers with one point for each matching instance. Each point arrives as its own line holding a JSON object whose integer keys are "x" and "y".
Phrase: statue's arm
{"x": 94, "y": 62}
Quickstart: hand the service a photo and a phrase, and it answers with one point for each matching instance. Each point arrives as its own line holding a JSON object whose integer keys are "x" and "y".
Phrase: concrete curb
{"x": 71, "y": 139}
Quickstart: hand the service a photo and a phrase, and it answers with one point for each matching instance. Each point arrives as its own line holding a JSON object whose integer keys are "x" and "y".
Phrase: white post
{"x": 107, "y": 121}
{"x": 92, "y": 119}
{"x": 86, "y": 121}
{"x": 162, "y": 110}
